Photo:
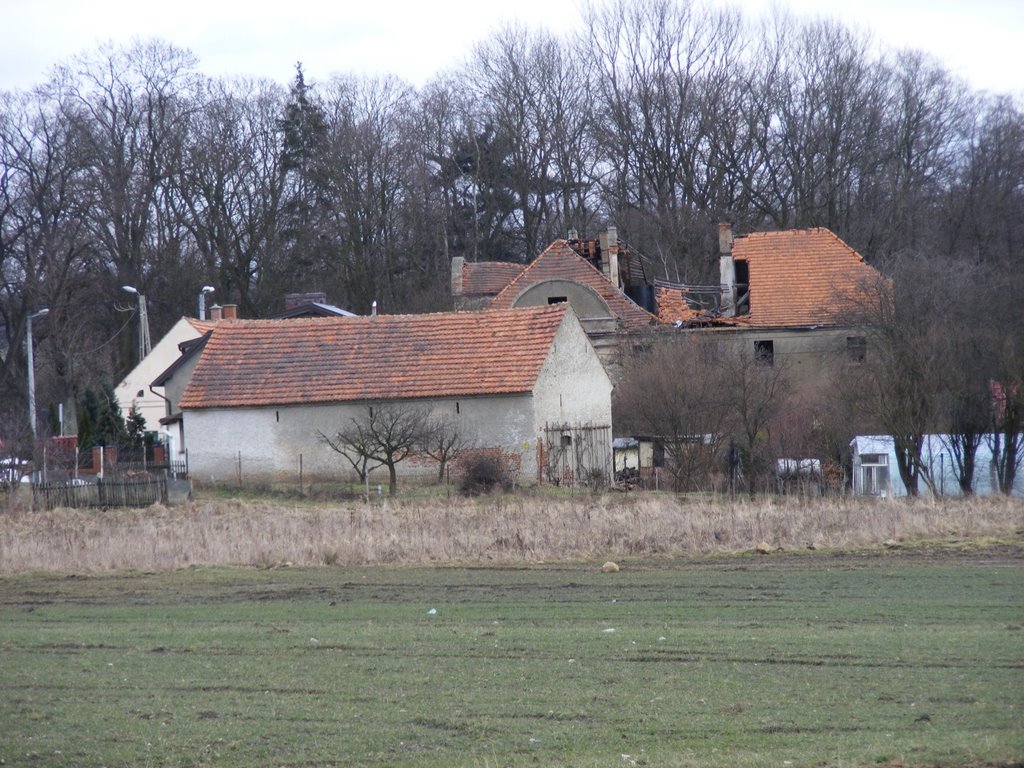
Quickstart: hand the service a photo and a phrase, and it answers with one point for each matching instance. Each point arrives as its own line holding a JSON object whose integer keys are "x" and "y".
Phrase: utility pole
{"x": 145, "y": 346}
{"x": 30, "y": 359}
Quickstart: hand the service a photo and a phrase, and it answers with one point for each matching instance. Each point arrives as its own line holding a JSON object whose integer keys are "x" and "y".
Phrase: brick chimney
{"x": 293, "y": 300}
{"x": 230, "y": 311}
{"x": 216, "y": 312}
{"x": 458, "y": 267}
{"x": 726, "y": 269}
{"x": 609, "y": 241}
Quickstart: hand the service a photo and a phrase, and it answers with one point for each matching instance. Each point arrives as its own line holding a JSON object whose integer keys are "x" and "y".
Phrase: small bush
{"x": 484, "y": 474}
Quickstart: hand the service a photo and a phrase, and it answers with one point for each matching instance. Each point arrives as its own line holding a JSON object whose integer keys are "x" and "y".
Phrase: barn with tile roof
{"x": 525, "y": 383}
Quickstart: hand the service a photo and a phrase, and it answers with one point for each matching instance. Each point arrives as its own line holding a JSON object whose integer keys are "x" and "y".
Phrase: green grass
{"x": 814, "y": 660}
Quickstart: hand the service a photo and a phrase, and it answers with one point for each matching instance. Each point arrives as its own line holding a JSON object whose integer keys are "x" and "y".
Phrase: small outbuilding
{"x": 875, "y": 472}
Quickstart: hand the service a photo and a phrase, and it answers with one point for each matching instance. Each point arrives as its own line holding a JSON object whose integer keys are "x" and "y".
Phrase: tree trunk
{"x": 908, "y": 466}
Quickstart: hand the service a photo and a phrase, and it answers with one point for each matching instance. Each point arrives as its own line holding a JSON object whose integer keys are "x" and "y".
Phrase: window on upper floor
{"x": 764, "y": 351}
{"x": 856, "y": 349}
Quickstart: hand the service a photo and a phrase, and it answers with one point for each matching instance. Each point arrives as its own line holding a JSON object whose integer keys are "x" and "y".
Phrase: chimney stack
{"x": 230, "y": 311}
{"x": 726, "y": 269}
{"x": 216, "y": 312}
{"x": 574, "y": 235}
{"x": 609, "y": 243}
{"x": 293, "y": 300}
{"x": 458, "y": 268}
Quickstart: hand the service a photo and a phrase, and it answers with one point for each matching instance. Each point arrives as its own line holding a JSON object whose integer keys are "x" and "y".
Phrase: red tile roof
{"x": 201, "y": 325}
{"x": 672, "y": 307}
{"x": 486, "y": 278}
{"x": 324, "y": 360}
{"x": 801, "y": 277}
{"x": 560, "y": 262}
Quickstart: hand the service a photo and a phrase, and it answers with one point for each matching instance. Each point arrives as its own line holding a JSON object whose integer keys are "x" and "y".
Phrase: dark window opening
{"x": 658, "y": 454}
{"x": 277, "y": 415}
{"x": 856, "y": 348}
{"x": 764, "y": 351}
{"x": 557, "y": 299}
{"x": 566, "y": 441}
{"x": 742, "y": 288}
{"x": 140, "y": 393}
{"x": 457, "y": 407}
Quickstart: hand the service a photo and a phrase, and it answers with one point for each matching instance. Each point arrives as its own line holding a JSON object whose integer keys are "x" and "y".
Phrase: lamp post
{"x": 202, "y": 300}
{"x": 32, "y": 371}
{"x": 144, "y": 344}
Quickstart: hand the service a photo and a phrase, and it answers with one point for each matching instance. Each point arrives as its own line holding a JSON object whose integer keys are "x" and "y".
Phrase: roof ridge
{"x": 446, "y": 354}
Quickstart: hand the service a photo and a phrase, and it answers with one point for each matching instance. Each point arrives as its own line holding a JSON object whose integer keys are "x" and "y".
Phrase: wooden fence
{"x": 122, "y": 492}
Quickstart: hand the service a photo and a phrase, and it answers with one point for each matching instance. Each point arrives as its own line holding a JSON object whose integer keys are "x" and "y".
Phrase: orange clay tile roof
{"x": 486, "y": 278}
{"x": 251, "y": 363}
{"x": 201, "y": 325}
{"x": 560, "y": 262}
{"x": 801, "y": 277}
{"x": 672, "y": 307}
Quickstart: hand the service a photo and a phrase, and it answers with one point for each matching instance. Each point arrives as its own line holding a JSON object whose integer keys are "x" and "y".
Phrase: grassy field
{"x": 904, "y": 657}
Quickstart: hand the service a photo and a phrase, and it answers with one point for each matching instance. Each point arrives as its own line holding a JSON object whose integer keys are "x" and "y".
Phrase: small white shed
{"x": 875, "y": 472}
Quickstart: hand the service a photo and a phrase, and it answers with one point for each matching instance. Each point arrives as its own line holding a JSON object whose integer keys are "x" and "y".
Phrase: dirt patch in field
{"x": 914, "y": 555}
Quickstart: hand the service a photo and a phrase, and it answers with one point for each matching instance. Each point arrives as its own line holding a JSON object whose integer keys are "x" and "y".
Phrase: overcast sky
{"x": 980, "y": 40}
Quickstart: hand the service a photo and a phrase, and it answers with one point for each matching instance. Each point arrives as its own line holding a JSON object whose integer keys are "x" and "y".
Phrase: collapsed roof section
{"x": 795, "y": 278}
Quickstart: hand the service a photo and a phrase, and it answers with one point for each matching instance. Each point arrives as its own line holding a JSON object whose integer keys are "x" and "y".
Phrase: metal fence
{"x": 577, "y": 454}
{"x": 120, "y": 492}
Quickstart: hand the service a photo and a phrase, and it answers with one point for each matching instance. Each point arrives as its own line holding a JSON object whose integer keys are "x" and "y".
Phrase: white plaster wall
{"x": 271, "y": 440}
{"x": 215, "y": 439}
{"x": 573, "y": 386}
{"x": 160, "y": 358}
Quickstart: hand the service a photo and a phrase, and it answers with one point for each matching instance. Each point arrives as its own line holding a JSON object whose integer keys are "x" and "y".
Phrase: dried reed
{"x": 490, "y": 529}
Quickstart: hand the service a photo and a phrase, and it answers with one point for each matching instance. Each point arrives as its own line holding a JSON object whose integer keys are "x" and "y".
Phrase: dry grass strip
{"x": 491, "y": 529}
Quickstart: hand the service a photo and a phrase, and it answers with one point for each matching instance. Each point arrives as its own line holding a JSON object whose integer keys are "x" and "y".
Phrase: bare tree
{"x": 386, "y": 433}
{"x": 753, "y": 389}
{"x": 664, "y": 68}
{"x": 444, "y": 441}
{"x": 129, "y": 108}
{"x": 673, "y": 394}
{"x": 232, "y": 187}
{"x": 355, "y": 447}
{"x": 1007, "y": 437}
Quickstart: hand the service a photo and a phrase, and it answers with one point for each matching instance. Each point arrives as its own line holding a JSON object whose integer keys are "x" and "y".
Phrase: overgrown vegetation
{"x": 492, "y": 528}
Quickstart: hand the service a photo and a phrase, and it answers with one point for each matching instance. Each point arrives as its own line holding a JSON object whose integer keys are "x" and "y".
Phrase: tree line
{"x": 128, "y": 166}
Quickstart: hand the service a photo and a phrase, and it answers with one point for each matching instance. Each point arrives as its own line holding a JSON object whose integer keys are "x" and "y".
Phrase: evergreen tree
{"x": 99, "y": 420}
{"x": 306, "y": 203}
{"x": 135, "y": 427}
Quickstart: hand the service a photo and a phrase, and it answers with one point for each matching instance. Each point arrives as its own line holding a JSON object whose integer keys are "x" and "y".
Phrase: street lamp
{"x": 144, "y": 344}
{"x": 32, "y": 370}
{"x": 202, "y": 300}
